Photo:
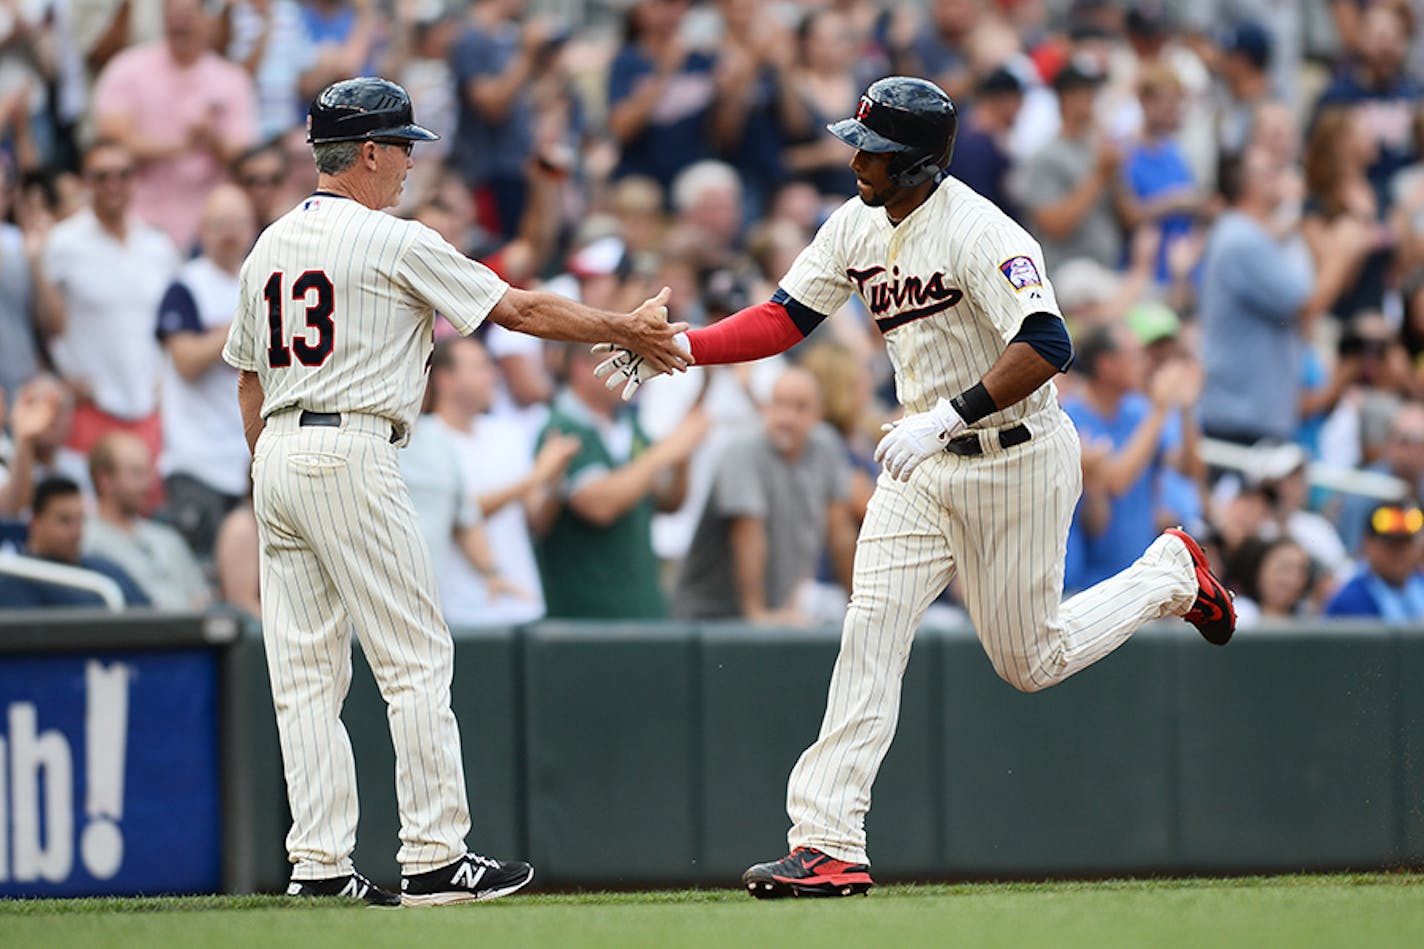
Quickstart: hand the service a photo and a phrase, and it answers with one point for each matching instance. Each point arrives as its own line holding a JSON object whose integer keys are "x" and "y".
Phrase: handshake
{"x": 653, "y": 347}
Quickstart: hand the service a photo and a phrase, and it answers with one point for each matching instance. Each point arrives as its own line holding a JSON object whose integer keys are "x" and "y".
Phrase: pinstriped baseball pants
{"x": 1001, "y": 519}
{"x": 340, "y": 548}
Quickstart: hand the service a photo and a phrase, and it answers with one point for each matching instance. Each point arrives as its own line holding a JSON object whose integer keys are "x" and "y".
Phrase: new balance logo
{"x": 294, "y": 888}
{"x": 466, "y": 876}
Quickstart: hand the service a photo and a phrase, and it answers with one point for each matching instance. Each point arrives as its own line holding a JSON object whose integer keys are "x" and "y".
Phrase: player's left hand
{"x": 916, "y": 437}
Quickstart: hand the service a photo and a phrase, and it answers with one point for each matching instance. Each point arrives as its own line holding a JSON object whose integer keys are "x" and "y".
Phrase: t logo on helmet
{"x": 863, "y": 109}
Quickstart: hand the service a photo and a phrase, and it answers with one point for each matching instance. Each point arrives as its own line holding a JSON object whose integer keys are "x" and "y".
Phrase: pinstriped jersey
{"x": 948, "y": 287}
{"x": 337, "y": 305}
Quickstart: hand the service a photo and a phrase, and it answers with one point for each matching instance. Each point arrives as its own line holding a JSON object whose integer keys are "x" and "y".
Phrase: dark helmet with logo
{"x": 913, "y": 118}
{"x": 354, "y": 110}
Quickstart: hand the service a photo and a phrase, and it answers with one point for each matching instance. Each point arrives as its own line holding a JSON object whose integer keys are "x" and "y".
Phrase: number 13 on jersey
{"x": 312, "y": 347}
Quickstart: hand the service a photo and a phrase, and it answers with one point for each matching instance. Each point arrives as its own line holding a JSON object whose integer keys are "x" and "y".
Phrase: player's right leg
{"x": 902, "y": 562}
{"x": 377, "y": 558}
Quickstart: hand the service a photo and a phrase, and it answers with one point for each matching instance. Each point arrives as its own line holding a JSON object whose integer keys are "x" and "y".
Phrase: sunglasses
{"x": 404, "y": 145}
{"x": 109, "y": 174}
{"x": 1396, "y": 521}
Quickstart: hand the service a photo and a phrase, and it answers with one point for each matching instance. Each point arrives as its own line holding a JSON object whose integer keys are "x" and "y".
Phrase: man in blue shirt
{"x": 1259, "y": 293}
{"x": 1161, "y": 189}
{"x": 1389, "y": 585}
{"x": 1117, "y": 515}
{"x": 1379, "y": 84}
{"x": 56, "y": 531}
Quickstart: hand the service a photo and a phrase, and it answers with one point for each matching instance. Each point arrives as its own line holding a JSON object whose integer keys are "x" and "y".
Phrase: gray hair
{"x": 332, "y": 158}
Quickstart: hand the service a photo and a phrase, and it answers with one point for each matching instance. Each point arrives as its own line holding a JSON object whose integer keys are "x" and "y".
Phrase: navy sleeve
{"x": 628, "y": 67}
{"x": 805, "y": 318}
{"x": 1048, "y": 336}
{"x": 133, "y": 594}
{"x": 177, "y": 313}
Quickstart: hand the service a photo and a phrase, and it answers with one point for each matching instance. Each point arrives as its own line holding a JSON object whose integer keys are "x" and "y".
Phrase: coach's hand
{"x": 647, "y": 333}
{"x": 916, "y": 437}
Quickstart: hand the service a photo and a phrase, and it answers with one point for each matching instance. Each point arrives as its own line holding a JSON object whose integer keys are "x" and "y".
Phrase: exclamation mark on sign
{"x": 106, "y": 736}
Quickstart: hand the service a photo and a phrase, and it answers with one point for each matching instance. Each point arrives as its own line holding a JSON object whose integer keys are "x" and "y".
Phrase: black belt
{"x": 333, "y": 420}
{"x": 969, "y": 444}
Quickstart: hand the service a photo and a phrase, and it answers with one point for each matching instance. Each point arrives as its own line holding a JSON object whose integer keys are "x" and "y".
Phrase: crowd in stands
{"x": 1229, "y": 195}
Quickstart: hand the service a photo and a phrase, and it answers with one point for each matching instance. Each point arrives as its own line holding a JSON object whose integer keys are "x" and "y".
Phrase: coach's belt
{"x": 333, "y": 420}
{"x": 969, "y": 443}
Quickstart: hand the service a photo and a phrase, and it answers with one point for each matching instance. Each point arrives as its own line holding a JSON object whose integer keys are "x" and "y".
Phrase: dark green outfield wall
{"x": 632, "y": 754}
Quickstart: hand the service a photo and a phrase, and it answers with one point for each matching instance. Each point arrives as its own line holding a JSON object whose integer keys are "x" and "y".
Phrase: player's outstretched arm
{"x": 645, "y": 332}
{"x": 753, "y": 333}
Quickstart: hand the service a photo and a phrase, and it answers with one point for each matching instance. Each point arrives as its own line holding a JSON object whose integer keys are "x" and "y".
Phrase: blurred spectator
{"x": 1378, "y": 83}
{"x": 1161, "y": 190}
{"x": 1389, "y": 585}
{"x": 205, "y": 457}
{"x": 262, "y": 172}
{"x": 1143, "y": 433}
{"x": 940, "y": 52}
{"x": 1403, "y": 458}
{"x": 707, "y": 197}
{"x": 237, "y": 560}
{"x": 183, "y": 112}
{"x": 660, "y": 94}
{"x": 1370, "y": 354}
{"x": 1066, "y": 189}
{"x": 19, "y": 258}
{"x": 1280, "y": 474}
{"x": 495, "y": 61}
{"x": 1260, "y": 294}
{"x": 103, "y": 28}
{"x": 1273, "y": 582}
{"x": 513, "y": 488}
{"x": 637, "y": 203}
{"x": 104, "y": 346}
{"x": 1340, "y": 151}
{"x": 153, "y": 554}
{"x": 828, "y": 90}
{"x": 56, "y": 530}
{"x": 597, "y": 559}
{"x": 981, "y": 158}
{"x": 419, "y": 59}
{"x": 757, "y": 102}
{"x": 345, "y": 33}
{"x": 848, "y": 403}
{"x": 1180, "y": 489}
{"x": 270, "y": 41}
{"x": 1243, "y": 68}
{"x": 40, "y": 419}
{"x": 449, "y": 514}
{"x": 779, "y": 498}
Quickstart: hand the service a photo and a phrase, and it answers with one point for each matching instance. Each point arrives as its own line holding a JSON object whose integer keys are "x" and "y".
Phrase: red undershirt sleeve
{"x": 754, "y": 333}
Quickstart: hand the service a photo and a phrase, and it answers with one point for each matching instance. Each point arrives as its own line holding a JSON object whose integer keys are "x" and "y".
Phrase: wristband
{"x": 974, "y": 403}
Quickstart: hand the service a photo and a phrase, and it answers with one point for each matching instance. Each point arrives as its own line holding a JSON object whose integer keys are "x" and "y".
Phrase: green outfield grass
{"x": 1296, "y": 911}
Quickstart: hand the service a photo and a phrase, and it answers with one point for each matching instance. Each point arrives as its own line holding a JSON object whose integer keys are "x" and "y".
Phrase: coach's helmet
{"x": 368, "y": 107}
{"x": 913, "y": 118}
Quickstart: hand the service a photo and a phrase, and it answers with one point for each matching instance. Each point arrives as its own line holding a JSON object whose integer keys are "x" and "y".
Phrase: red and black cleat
{"x": 1212, "y": 614}
{"x": 807, "y": 872}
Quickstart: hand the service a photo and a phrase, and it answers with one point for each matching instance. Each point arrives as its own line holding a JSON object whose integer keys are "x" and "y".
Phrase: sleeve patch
{"x": 1021, "y": 273}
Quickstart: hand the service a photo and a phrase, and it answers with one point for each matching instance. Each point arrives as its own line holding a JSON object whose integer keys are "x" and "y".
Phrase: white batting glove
{"x": 628, "y": 369}
{"x": 916, "y": 437}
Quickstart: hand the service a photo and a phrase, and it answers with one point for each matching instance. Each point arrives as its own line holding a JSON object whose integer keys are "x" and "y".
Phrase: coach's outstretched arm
{"x": 645, "y": 332}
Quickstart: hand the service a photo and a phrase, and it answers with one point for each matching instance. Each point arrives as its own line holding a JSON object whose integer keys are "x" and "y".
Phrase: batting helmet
{"x": 354, "y": 110}
{"x": 912, "y": 118}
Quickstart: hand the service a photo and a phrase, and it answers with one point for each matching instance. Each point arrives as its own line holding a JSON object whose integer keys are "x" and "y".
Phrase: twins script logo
{"x": 902, "y": 300}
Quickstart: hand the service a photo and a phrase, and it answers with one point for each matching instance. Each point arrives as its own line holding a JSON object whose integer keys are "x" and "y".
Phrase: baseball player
{"x": 332, "y": 337}
{"x": 981, "y": 475}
